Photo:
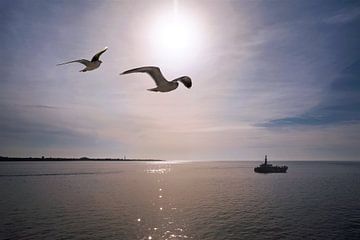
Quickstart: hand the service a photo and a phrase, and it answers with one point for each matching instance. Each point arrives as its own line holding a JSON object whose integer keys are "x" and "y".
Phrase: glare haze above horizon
{"x": 278, "y": 78}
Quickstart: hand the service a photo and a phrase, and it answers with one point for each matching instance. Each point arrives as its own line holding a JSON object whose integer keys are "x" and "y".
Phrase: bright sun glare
{"x": 175, "y": 35}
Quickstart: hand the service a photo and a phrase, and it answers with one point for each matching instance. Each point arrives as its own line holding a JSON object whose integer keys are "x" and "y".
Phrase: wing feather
{"x": 154, "y": 72}
{"x": 97, "y": 56}
{"x": 82, "y": 61}
{"x": 186, "y": 81}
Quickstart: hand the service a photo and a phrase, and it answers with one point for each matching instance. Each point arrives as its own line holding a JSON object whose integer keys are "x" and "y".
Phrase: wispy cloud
{"x": 345, "y": 15}
{"x": 341, "y": 104}
{"x": 39, "y": 106}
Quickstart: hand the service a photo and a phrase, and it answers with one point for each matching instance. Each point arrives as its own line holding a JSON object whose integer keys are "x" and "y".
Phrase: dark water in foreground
{"x": 209, "y": 200}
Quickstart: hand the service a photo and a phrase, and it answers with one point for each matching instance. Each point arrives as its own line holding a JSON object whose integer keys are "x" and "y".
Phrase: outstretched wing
{"x": 186, "y": 81}
{"x": 97, "y": 56}
{"x": 82, "y": 61}
{"x": 154, "y": 72}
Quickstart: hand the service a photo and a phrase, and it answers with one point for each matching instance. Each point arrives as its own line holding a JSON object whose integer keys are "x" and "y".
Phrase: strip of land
{"x": 11, "y": 159}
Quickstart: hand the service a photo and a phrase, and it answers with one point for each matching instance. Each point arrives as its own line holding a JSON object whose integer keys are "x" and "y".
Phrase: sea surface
{"x": 178, "y": 200}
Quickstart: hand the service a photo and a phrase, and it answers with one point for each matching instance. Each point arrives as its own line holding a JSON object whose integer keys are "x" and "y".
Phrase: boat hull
{"x": 272, "y": 169}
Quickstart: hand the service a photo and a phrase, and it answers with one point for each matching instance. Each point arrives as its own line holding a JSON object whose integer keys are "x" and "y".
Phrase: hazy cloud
{"x": 265, "y": 75}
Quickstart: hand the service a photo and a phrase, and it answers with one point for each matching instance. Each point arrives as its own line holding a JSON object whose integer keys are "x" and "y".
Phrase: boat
{"x": 269, "y": 168}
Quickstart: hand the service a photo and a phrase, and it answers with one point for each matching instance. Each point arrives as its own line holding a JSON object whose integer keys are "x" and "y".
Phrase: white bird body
{"x": 89, "y": 65}
{"x": 165, "y": 87}
{"x": 162, "y": 85}
{"x": 92, "y": 66}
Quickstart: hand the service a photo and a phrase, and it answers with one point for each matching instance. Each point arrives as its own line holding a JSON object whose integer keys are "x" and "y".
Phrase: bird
{"x": 162, "y": 85}
{"x": 89, "y": 65}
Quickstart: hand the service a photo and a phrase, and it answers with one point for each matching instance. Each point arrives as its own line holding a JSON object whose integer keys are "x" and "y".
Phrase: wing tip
{"x": 186, "y": 81}
{"x": 125, "y": 72}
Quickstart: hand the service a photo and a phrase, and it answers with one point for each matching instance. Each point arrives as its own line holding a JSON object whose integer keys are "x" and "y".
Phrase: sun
{"x": 175, "y": 35}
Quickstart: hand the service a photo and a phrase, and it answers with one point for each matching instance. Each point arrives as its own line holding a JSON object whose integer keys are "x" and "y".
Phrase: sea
{"x": 179, "y": 200}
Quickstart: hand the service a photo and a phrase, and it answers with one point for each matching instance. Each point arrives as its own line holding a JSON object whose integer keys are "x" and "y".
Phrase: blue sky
{"x": 269, "y": 77}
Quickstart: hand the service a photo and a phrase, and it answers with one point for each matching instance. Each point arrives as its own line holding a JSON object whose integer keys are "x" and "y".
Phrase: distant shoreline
{"x": 82, "y": 159}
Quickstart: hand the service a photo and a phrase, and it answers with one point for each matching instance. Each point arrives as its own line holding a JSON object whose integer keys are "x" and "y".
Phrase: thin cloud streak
{"x": 344, "y": 16}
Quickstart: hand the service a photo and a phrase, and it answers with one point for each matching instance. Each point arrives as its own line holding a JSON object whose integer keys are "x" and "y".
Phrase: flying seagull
{"x": 162, "y": 85}
{"x": 90, "y": 65}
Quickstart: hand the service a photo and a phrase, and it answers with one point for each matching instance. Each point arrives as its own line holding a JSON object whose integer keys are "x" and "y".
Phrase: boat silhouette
{"x": 269, "y": 168}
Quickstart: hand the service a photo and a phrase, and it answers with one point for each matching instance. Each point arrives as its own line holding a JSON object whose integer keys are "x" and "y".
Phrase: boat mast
{"x": 265, "y": 159}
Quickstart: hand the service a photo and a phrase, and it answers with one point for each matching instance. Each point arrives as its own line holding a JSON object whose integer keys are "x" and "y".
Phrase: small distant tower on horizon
{"x": 265, "y": 159}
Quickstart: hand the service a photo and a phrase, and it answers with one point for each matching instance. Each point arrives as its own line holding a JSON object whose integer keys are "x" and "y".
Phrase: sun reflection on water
{"x": 159, "y": 171}
{"x": 165, "y": 225}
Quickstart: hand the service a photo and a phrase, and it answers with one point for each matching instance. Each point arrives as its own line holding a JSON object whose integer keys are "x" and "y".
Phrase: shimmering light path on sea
{"x": 167, "y": 226}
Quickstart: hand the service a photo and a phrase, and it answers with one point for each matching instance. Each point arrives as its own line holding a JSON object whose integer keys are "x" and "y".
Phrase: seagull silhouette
{"x": 90, "y": 65}
{"x": 162, "y": 85}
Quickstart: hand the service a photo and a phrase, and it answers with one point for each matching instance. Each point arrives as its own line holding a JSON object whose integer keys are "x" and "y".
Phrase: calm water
{"x": 209, "y": 200}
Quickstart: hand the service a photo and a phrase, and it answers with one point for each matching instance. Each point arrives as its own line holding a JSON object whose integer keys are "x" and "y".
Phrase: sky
{"x": 269, "y": 77}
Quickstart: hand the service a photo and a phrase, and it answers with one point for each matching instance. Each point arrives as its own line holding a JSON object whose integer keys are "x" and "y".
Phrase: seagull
{"x": 90, "y": 65}
{"x": 162, "y": 85}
